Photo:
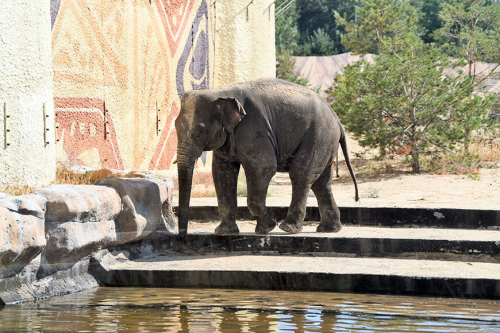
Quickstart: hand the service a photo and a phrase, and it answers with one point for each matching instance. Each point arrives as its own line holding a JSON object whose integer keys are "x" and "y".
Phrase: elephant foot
{"x": 291, "y": 227}
{"x": 329, "y": 227}
{"x": 227, "y": 230}
{"x": 265, "y": 225}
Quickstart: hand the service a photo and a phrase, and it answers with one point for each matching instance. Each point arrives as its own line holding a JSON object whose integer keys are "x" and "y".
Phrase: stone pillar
{"x": 27, "y": 157}
{"x": 244, "y": 41}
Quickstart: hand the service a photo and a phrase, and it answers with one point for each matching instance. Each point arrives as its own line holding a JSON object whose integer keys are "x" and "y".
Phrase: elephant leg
{"x": 258, "y": 179}
{"x": 330, "y": 214}
{"x": 225, "y": 174}
{"x": 304, "y": 171}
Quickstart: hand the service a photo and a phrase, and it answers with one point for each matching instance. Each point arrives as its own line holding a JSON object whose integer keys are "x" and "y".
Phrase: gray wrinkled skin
{"x": 265, "y": 126}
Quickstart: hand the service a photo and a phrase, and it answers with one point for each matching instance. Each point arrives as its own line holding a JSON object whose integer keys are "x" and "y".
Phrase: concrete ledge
{"x": 395, "y": 276}
{"x": 345, "y": 245}
{"x": 379, "y": 216}
{"x": 448, "y": 244}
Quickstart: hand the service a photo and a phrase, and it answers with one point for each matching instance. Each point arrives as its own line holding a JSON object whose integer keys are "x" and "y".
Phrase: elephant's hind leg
{"x": 303, "y": 172}
{"x": 330, "y": 214}
{"x": 297, "y": 210}
{"x": 225, "y": 174}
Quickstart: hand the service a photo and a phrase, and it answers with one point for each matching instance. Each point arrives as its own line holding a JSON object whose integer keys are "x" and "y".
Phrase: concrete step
{"x": 299, "y": 272}
{"x": 378, "y": 216}
{"x": 355, "y": 241}
{"x": 414, "y": 261}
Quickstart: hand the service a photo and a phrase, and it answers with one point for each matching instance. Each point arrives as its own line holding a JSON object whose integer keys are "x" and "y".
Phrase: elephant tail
{"x": 343, "y": 144}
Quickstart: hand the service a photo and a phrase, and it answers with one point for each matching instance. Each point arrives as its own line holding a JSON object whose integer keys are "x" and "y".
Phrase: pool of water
{"x": 221, "y": 310}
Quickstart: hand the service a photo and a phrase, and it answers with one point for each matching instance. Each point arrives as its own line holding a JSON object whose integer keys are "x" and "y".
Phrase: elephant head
{"x": 204, "y": 123}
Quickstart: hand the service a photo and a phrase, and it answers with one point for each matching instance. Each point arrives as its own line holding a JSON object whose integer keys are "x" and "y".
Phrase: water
{"x": 218, "y": 310}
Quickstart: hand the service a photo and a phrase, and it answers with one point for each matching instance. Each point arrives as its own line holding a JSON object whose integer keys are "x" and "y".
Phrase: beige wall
{"x": 25, "y": 85}
{"x": 244, "y": 41}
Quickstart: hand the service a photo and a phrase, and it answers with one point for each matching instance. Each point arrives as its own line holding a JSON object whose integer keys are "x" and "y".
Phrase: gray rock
{"x": 142, "y": 207}
{"x": 80, "y": 203}
{"x": 22, "y": 234}
{"x": 166, "y": 185}
{"x": 69, "y": 242}
{"x": 79, "y": 221}
{"x": 25, "y": 286}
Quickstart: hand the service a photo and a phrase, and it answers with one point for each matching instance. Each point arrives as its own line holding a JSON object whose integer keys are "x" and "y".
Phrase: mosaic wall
{"x": 116, "y": 62}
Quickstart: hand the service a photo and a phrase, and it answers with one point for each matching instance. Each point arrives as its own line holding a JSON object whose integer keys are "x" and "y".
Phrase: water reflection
{"x": 210, "y": 310}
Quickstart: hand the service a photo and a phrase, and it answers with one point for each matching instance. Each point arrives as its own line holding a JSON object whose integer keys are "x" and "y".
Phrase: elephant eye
{"x": 199, "y": 131}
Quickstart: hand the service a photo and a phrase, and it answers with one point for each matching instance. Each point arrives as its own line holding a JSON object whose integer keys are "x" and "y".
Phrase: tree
{"x": 321, "y": 43}
{"x": 428, "y": 17}
{"x": 472, "y": 31}
{"x": 318, "y": 17}
{"x": 285, "y": 65}
{"x": 404, "y": 103}
{"x": 376, "y": 19}
{"x": 286, "y": 30}
{"x": 309, "y": 27}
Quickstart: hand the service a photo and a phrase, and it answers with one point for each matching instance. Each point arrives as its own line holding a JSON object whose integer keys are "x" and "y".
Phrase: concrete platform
{"x": 413, "y": 261}
{"x": 298, "y": 272}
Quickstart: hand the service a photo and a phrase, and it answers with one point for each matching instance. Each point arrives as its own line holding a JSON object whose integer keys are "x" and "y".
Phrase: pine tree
{"x": 406, "y": 102}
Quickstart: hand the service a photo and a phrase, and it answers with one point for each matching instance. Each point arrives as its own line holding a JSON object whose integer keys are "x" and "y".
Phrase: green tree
{"x": 472, "y": 33}
{"x": 321, "y": 43}
{"x": 309, "y": 27}
{"x": 428, "y": 17}
{"x": 286, "y": 30}
{"x": 376, "y": 20}
{"x": 285, "y": 65}
{"x": 405, "y": 103}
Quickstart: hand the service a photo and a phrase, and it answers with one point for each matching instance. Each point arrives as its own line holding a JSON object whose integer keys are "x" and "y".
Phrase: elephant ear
{"x": 232, "y": 112}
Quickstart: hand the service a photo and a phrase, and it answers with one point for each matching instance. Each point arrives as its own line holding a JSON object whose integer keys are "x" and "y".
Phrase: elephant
{"x": 265, "y": 126}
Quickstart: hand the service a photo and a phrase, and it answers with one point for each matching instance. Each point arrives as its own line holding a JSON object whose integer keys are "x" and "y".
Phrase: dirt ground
{"x": 398, "y": 190}
{"x": 407, "y": 190}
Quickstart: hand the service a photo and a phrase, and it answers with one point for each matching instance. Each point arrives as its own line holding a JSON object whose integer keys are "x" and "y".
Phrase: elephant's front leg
{"x": 258, "y": 178}
{"x": 225, "y": 174}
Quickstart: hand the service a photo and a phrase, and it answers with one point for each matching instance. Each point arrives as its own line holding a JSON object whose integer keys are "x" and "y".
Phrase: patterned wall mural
{"x": 114, "y": 61}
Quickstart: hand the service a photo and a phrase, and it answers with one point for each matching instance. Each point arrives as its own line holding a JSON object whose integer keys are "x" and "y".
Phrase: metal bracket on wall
{"x": 248, "y": 10}
{"x": 105, "y": 121}
{"x": 55, "y": 128}
{"x": 45, "y": 128}
{"x": 158, "y": 130}
{"x": 6, "y": 125}
{"x": 268, "y": 8}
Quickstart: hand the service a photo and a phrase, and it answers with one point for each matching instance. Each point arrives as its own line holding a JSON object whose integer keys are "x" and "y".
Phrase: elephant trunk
{"x": 186, "y": 158}
{"x": 185, "y": 174}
